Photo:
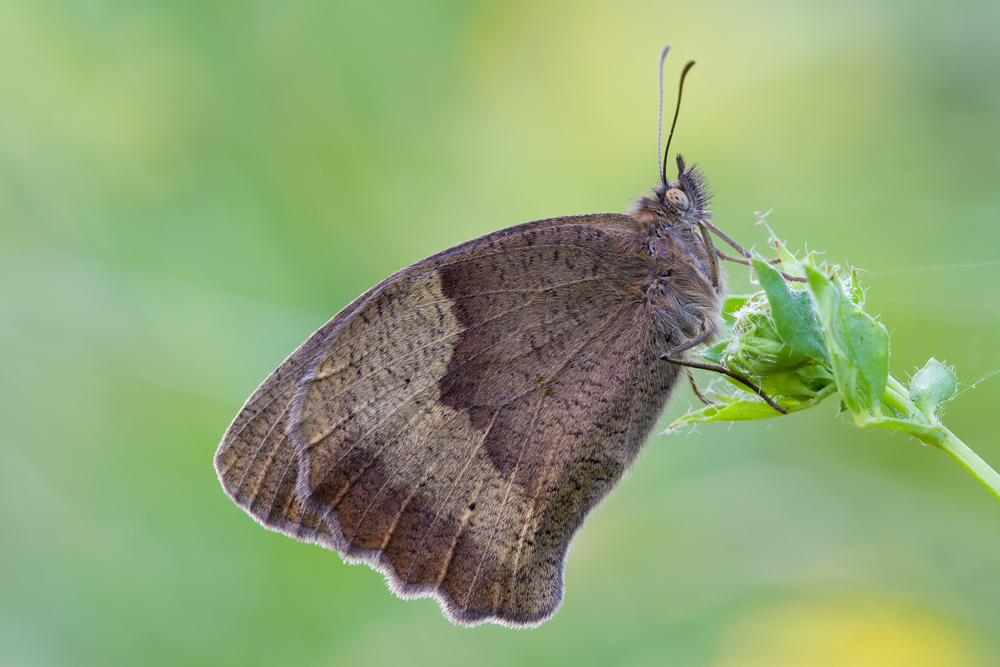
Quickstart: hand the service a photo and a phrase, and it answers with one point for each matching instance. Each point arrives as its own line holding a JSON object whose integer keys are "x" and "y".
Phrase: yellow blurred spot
{"x": 857, "y": 632}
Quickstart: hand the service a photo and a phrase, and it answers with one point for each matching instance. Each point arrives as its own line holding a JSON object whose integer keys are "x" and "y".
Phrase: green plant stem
{"x": 969, "y": 460}
{"x": 939, "y": 436}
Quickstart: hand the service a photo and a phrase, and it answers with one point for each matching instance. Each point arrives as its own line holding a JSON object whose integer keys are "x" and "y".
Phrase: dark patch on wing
{"x": 526, "y": 309}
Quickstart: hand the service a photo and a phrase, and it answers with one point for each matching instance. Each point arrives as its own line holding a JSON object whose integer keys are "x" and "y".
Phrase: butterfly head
{"x": 679, "y": 204}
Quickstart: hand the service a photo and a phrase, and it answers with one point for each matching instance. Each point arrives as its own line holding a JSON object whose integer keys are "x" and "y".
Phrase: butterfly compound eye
{"x": 678, "y": 199}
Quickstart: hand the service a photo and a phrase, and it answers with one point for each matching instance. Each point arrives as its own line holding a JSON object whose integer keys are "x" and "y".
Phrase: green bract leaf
{"x": 791, "y": 265}
{"x": 932, "y": 384}
{"x": 736, "y": 408}
{"x": 796, "y": 384}
{"x": 858, "y": 345}
{"x": 714, "y": 352}
{"x": 793, "y": 312}
{"x": 727, "y": 410}
{"x": 857, "y": 292}
{"x": 732, "y": 304}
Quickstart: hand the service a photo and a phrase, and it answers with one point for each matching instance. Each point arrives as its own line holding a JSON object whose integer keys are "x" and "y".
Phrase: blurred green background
{"x": 189, "y": 188}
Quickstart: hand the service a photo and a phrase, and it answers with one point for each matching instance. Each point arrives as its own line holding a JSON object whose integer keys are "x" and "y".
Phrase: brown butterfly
{"x": 453, "y": 426}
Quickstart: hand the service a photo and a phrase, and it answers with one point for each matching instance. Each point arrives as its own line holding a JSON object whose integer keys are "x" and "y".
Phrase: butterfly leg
{"x": 715, "y": 368}
{"x": 706, "y": 225}
{"x": 697, "y": 391}
{"x": 713, "y": 254}
{"x": 685, "y": 346}
{"x": 740, "y": 260}
{"x": 688, "y": 344}
{"x": 746, "y": 262}
{"x": 703, "y": 223}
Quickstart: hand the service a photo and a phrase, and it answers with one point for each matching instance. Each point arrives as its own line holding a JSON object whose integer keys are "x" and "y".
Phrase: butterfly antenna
{"x": 677, "y": 111}
{"x": 659, "y": 125}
